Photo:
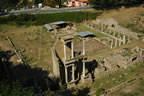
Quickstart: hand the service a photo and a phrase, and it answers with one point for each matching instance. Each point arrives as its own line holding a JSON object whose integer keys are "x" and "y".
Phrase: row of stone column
{"x": 73, "y": 73}
{"x": 118, "y": 37}
{"x": 118, "y": 42}
{"x": 72, "y": 50}
{"x": 72, "y": 57}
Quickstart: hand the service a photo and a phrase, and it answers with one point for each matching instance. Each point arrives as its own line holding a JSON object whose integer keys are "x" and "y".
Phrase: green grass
{"x": 111, "y": 81}
{"x": 34, "y": 39}
{"x": 138, "y": 91}
{"x": 118, "y": 77}
{"x": 135, "y": 27}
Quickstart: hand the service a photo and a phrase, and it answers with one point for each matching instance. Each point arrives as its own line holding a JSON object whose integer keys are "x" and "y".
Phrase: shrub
{"x": 3, "y": 20}
{"x": 14, "y": 89}
{"x": 65, "y": 16}
{"x": 25, "y": 19}
{"x": 40, "y": 19}
{"x": 12, "y": 17}
{"x": 100, "y": 91}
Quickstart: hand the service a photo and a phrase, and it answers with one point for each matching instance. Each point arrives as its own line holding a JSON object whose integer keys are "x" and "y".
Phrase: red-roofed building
{"x": 77, "y": 3}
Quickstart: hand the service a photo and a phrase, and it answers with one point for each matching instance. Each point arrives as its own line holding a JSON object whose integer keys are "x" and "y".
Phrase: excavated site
{"x": 78, "y": 58}
{"x": 89, "y": 56}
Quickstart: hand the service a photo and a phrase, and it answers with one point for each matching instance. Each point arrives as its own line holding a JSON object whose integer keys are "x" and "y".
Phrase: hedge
{"x": 40, "y": 19}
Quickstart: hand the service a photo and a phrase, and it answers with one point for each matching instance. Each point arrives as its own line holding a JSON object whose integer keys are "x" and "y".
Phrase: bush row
{"x": 114, "y": 3}
{"x": 40, "y": 19}
{"x": 18, "y": 19}
{"x": 66, "y": 16}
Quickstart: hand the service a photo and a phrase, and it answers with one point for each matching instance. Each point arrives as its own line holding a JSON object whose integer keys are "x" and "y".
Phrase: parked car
{"x": 3, "y": 12}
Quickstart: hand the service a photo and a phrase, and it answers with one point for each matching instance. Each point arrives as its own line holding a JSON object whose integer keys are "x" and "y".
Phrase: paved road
{"x": 54, "y": 10}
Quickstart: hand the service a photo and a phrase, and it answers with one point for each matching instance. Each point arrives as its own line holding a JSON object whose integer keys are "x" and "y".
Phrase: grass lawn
{"x": 136, "y": 89}
{"x": 34, "y": 40}
{"x": 118, "y": 77}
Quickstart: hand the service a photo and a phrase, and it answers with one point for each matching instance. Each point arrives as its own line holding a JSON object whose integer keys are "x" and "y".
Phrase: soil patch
{"x": 90, "y": 46}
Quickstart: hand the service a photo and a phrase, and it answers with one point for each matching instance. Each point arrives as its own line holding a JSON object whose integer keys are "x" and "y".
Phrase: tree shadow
{"x": 75, "y": 92}
{"x": 83, "y": 92}
{"x": 35, "y": 78}
{"x": 91, "y": 66}
{"x": 78, "y": 71}
{"x": 5, "y": 64}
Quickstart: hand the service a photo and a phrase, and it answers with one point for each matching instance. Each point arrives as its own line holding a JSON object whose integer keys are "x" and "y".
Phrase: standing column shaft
{"x": 64, "y": 51}
{"x": 119, "y": 34}
{"x": 111, "y": 43}
{"x": 124, "y": 39}
{"x": 72, "y": 49}
{"x": 114, "y": 33}
{"x": 73, "y": 73}
{"x": 119, "y": 42}
{"x": 83, "y": 46}
{"x": 83, "y": 68}
{"x": 110, "y": 31}
{"x": 102, "y": 27}
{"x": 66, "y": 75}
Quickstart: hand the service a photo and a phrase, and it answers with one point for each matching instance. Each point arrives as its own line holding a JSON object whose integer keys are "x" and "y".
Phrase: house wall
{"x": 74, "y": 3}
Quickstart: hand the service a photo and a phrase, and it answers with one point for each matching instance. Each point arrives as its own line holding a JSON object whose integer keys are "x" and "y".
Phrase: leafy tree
{"x": 130, "y": 2}
{"x": 14, "y": 89}
{"x": 113, "y": 3}
{"x": 53, "y": 3}
{"x": 3, "y": 4}
{"x": 38, "y": 1}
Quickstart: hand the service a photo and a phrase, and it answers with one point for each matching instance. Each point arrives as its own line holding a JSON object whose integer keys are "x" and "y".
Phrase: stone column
{"x": 110, "y": 31}
{"x": 83, "y": 46}
{"x": 140, "y": 52}
{"x": 83, "y": 68}
{"x": 119, "y": 42}
{"x": 102, "y": 27}
{"x": 115, "y": 42}
{"x": 73, "y": 73}
{"x": 111, "y": 43}
{"x": 72, "y": 52}
{"x": 64, "y": 50}
{"x": 118, "y": 34}
{"x": 55, "y": 31}
{"x": 124, "y": 39}
{"x": 114, "y": 33}
{"x": 66, "y": 75}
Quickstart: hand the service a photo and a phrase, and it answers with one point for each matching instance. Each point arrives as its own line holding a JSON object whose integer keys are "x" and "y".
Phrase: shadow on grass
{"x": 34, "y": 78}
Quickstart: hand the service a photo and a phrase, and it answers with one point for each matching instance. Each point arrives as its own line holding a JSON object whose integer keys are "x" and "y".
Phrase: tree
{"x": 130, "y": 2}
{"x": 3, "y": 4}
{"x": 53, "y": 3}
{"x": 38, "y": 1}
{"x": 14, "y": 89}
{"x": 113, "y": 3}
{"x": 104, "y": 3}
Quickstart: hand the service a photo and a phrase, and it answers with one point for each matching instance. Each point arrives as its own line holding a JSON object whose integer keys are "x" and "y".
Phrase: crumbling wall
{"x": 56, "y": 68}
